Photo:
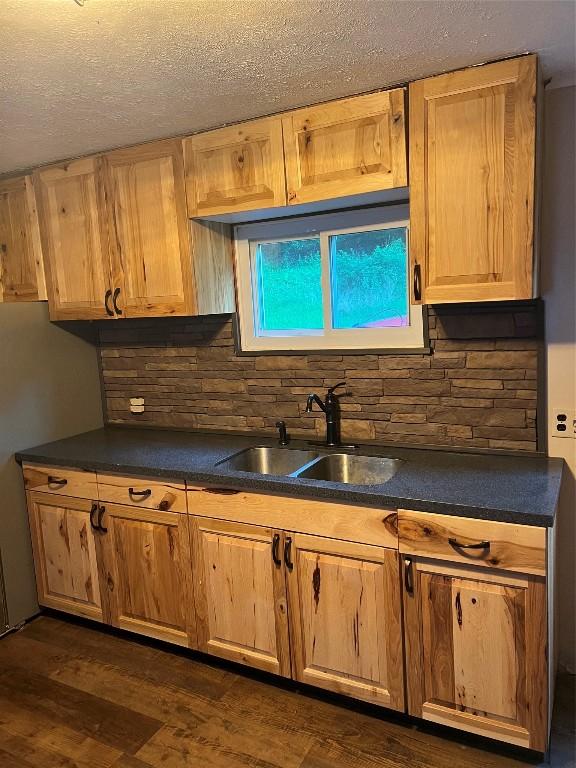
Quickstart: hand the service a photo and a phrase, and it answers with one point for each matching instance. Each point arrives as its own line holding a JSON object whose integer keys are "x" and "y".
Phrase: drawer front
{"x": 61, "y": 480}
{"x": 365, "y": 525}
{"x": 147, "y": 492}
{"x": 511, "y": 547}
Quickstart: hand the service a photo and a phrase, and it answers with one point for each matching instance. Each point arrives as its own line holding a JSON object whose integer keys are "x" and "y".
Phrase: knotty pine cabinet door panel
{"x": 21, "y": 262}
{"x": 472, "y": 161}
{"x": 345, "y": 618}
{"x": 64, "y": 554}
{"x": 345, "y": 147}
{"x": 241, "y": 593}
{"x": 74, "y": 233}
{"x": 144, "y": 562}
{"x": 152, "y": 260}
{"x": 237, "y": 168}
{"x": 476, "y": 650}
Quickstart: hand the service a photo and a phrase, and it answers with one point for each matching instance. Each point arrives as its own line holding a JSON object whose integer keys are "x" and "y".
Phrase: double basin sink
{"x": 312, "y": 465}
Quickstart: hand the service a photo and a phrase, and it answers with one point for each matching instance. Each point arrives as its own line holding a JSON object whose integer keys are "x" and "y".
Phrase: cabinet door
{"x": 65, "y": 554}
{"x": 476, "y": 650}
{"x": 240, "y": 594}
{"x": 144, "y": 562}
{"x": 345, "y": 608}
{"x": 75, "y": 240}
{"x": 233, "y": 169}
{"x": 21, "y": 264}
{"x": 345, "y": 147}
{"x": 472, "y": 156}
{"x": 152, "y": 274}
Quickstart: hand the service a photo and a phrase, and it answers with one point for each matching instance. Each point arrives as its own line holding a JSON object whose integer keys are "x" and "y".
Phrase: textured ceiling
{"x": 77, "y": 79}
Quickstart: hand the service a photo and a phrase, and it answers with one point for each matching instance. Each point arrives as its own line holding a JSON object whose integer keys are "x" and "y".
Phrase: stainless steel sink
{"x": 269, "y": 461}
{"x": 358, "y": 470}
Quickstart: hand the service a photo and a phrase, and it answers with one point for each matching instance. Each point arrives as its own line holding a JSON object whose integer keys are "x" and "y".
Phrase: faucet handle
{"x": 340, "y": 384}
{"x": 283, "y": 438}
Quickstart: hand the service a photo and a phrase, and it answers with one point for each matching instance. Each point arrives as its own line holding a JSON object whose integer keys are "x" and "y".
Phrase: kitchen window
{"x": 333, "y": 281}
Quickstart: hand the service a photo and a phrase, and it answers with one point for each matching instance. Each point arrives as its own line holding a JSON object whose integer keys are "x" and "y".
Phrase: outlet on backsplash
{"x": 563, "y": 422}
{"x": 136, "y": 405}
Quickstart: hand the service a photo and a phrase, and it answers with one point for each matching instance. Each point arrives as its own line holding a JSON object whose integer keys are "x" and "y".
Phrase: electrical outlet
{"x": 563, "y": 422}
{"x": 136, "y": 405}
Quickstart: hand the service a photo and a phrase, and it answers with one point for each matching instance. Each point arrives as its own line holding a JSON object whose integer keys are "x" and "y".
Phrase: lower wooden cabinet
{"x": 429, "y": 626}
{"x": 241, "y": 593}
{"x": 345, "y": 618}
{"x": 144, "y": 561}
{"x": 64, "y": 550}
{"x": 476, "y": 650}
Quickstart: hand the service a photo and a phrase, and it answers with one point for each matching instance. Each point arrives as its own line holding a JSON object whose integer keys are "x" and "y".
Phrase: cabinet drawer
{"x": 165, "y": 495}
{"x": 365, "y": 525}
{"x": 61, "y": 480}
{"x": 475, "y": 542}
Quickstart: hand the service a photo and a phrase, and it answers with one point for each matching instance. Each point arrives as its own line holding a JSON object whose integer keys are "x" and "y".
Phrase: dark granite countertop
{"x": 507, "y": 488}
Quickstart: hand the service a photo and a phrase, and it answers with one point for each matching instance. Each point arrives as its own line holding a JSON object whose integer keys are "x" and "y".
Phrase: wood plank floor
{"x": 72, "y": 694}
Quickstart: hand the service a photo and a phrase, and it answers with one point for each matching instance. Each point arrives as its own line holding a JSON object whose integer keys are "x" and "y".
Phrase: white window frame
{"x": 247, "y": 236}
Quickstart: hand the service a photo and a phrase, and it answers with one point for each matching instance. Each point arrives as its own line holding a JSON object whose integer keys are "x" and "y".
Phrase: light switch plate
{"x": 563, "y": 422}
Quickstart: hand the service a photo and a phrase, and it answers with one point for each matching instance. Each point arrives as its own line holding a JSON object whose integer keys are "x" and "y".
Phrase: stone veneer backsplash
{"x": 478, "y": 388}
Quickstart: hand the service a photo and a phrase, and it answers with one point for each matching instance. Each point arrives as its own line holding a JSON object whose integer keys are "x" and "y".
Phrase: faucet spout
{"x": 313, "y": 398}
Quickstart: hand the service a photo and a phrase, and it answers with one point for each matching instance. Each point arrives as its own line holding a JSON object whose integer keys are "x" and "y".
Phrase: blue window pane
{"x": 289, "y": 286}
{"x": 368, "y": 273}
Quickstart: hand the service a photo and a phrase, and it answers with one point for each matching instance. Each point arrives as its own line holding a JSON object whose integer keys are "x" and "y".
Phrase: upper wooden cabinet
{"x": 151, "y": 250}
{"x": 345, "y": 147}
{"x": 21, "y": 264}
{"x": 118, "y": 242}
{"x": 472, "y": 160}
{"x": 75, "y": 240}
{"x": 239, "y": 168}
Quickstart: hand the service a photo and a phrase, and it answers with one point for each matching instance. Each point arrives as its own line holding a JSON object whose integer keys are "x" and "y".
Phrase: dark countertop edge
{"x": 336, "y": 493}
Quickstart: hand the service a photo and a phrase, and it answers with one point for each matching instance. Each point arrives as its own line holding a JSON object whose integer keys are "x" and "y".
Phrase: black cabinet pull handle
{"x": 57, "y": 481}
{"x": 115, "y": 301}
{"x": 417, "y": 283}
{"x": 109, "y": 310}
{"x": 275, "y": 546}
{"x": 222, "y": 491}
{"x": 143, "y": 494}
{"x": 93, "y": 510}
{"x": 287, "y": 553}
{"x": 99, "y": 525}
{"x": 483, "y": 545}
{"x": 408, "y": 576}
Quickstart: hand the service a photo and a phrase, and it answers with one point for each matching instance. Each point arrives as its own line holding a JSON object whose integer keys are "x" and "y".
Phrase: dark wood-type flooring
{"x": 72, "y": 694}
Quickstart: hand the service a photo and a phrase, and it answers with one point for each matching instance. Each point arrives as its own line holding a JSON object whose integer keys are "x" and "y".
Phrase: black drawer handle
{"x": 99, "y": 525}
{"x": 140, "y": 494}
{"x": 417, "y": 283}
{"x": 221, "y": 491}
{"x": 93, "y": 511}
{"x": 288, "y": 553}
{"x": 483, "y": 545}
{"x": 108, "y": 308}
{"x": 61, "y": 481}
{"x": 408, "y": 576}
{"x": 275, "y": 546}
{"x": 115, "y": 301}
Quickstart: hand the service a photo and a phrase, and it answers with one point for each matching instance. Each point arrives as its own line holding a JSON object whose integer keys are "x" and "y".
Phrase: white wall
{"x": 49, "y": 389}
{"x": 558, "y": 265}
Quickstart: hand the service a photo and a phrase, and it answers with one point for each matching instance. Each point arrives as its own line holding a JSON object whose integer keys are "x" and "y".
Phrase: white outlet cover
{"x": 136, "y": 405}
{"x": 563, "y": 422}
